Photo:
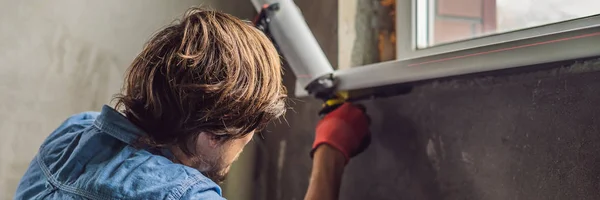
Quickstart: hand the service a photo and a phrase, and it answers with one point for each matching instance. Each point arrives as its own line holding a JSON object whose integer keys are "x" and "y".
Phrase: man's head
{"x": 202, "y": 86}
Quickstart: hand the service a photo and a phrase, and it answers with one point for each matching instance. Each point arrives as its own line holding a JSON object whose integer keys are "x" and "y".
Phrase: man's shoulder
{"x": 73, "y": 123}
{"x": 138, "y": 174}
{"x": 79, "y": 158}
{"x": 132, "y": 174}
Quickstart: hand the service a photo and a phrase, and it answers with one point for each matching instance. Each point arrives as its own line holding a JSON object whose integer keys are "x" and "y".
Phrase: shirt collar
{"x": 113, "y": 123}
{"x": 116, "y": 125}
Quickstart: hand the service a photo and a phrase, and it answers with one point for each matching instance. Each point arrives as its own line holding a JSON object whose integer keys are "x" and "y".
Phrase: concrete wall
{"x": 528, "y": 135}
{"x": 61, "y": 57}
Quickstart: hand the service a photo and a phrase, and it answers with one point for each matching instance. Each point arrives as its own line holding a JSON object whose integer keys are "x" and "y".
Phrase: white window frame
{"x": 573, "y": 39}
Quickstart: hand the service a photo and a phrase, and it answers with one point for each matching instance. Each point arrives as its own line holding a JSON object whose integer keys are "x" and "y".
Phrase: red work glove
{"x": 345, "y": 129}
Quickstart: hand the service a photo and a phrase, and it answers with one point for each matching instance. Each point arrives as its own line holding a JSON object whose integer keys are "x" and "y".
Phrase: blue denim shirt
{"x": 90, "y": 156}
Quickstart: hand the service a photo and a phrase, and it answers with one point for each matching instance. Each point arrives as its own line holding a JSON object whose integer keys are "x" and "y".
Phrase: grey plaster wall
{"x": 525, "y": 135}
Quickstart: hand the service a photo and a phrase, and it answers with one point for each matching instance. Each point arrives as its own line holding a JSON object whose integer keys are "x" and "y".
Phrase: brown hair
{"x": 210, "y": 72}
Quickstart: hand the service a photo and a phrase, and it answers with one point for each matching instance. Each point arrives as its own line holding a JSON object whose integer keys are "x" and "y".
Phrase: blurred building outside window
{"x": 446, "y": 21}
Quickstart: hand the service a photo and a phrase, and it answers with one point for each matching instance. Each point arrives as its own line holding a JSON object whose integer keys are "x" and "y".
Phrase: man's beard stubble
{"x": 214, "y": 169}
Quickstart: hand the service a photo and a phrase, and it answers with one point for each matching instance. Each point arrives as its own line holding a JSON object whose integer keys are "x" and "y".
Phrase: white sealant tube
{"x": 297, "y": 43}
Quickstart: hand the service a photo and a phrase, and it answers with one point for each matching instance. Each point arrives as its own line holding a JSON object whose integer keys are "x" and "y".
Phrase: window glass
{"x": 445, "y": 21}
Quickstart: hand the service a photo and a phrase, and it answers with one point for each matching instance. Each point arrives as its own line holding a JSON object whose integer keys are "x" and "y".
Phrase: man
{"x": 192, "y": 99}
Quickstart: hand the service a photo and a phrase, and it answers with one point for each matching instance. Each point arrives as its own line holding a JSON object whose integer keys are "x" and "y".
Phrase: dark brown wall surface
{"x": 533, "y": 135}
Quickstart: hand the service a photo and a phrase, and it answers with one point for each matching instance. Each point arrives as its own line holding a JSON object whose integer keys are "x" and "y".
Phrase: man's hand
{"x": 345, "y": 129}
{"x": 343, "y": 133}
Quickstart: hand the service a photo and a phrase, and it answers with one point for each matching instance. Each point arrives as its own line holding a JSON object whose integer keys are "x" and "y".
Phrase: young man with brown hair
{"x": 192, "y": 99}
